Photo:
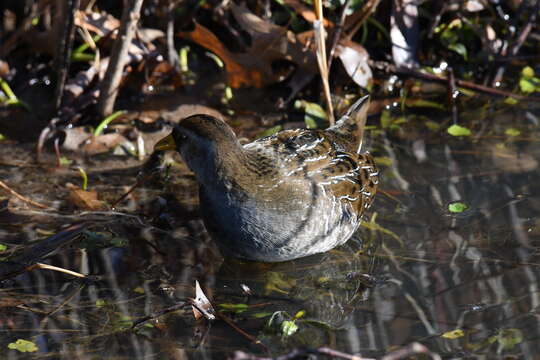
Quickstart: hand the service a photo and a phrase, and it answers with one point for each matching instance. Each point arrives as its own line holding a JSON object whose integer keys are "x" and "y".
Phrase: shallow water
{"x": 463, "y": 284}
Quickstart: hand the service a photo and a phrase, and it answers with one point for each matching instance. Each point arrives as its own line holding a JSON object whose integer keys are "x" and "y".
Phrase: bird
{"x": 284, "y": 196}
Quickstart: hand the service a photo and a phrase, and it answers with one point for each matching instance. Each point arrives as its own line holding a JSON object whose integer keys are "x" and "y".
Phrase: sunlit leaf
{"x": 510, "y": 101}
{"x": 512, "y": 132}
{"x": 527, "y": 72}
{"x": 3, "y": 247}
{"x": 526, "y": 85}
{"x": 22, "y": 345}
{"x": 100, "y": 302}
{"x": 454, "y": 334}
{"x": 508, "y": 338}
{"x": 288, "y": 327}
{"x": 456, "y": 130}
{"x": 354, "y": 58}
{"x": 457, "y": 207}
{"x": 299, "y": 314}
{"x": 139, "y": 290}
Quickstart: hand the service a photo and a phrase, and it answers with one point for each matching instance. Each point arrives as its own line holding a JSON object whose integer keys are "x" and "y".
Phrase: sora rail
{"x": 285, "y": 196}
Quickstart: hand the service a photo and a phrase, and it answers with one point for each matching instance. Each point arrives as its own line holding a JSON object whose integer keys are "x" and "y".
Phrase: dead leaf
{"x": 307, "y": 12}
{"x": 355, "y": 58}
{"x": 201, "y": 305}
{"x": 86, "y": 200}
{"x": 269, "y": 43}
{"x": 103, "y": 143}
{"x": 100, "y": 24}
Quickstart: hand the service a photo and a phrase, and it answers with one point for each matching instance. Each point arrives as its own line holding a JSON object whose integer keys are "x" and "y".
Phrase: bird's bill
{"x": 167, "y": 143}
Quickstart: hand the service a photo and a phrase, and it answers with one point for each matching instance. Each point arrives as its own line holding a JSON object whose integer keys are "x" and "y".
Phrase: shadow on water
{"x": 451, "y": 260}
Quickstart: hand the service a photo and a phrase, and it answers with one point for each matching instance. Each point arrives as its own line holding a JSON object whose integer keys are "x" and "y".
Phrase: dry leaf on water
{"x": 201, "y": 305}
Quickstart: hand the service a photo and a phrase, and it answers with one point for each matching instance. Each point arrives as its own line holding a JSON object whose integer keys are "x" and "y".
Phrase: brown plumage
{"x": 285, "y": 196}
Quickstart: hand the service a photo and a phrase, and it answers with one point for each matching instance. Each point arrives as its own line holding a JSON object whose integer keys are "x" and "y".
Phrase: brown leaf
{"x": 269, "y": 43}
{"x": 86, "y": 200}
{"x": 103, "y": 143}
{"x": 306, "y": 12}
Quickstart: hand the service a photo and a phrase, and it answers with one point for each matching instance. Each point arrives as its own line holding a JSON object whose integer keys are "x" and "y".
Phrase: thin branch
{"x": 337, "y": 32}
{"x": 391, "y": 69}
{"x": 21, "y": 197}
{"x": 111, "y": 82}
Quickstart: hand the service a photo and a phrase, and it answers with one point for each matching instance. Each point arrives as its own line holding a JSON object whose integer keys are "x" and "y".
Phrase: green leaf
{"x": 383, "y": 161}
{"x": 457, "y": 207}
{"x": 432, "y": 125}
{"x": 3, "y": 247}
{"x": 236, "y": 308}
{"x": 510, "y": 101}
{"x": 23, "y": 346}
{"x": 508, "y": 338}
{"x": 512, "y": 132}
{"x": 526, "y": 85}
{"x": 454, "y": 334}
{"x": 64, "y": 161}
{"x": 315, "y": 114}
{"x": 386, "y": 119}
{"x": 425, "y": 103}
{"x": 299, "y": 314}
{"x": 261, "y": 315}
{"x": 459, "y": 48}
{"x": 456, "y": 130}
{"x": 527, "y": 72}
{"x": 288, "y": 327}
{"x": 271, "y": 131}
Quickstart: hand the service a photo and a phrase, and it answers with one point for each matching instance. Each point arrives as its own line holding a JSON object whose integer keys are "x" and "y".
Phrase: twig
{"x": 338, "y": 29}
{"x": 389, "y": 68}
{"x": 111, "y": 82}
{"x": 64, "y": 47}
{"x": 240, "y": 331}
{"x": 519, "y": 42}
{"x": 367, "y": 10}
{"x": 452, "y": 94}
{"x": 155, "y": 315}
{"x": 21, "y": 197}
{"x": 55, "y": 268}
{"x": 320, "y": 40}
